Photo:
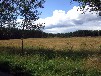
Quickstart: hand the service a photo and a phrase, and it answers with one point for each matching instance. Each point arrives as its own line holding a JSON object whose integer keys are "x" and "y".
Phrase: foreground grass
{"x": 46, "y": 61}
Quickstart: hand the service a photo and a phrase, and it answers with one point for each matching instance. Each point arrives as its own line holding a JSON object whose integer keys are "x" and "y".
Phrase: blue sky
{"x": 51, "y": 5}
{"x": 60, "y": 16}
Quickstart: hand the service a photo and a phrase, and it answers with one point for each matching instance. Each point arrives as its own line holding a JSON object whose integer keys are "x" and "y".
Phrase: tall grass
{"x": 50, "y": 61}
{"x": 56, "y": 43}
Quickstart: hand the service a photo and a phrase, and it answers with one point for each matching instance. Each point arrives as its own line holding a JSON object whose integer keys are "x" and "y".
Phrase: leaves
{"x": 10, "y": 10}
{"x": 95, "y": 4}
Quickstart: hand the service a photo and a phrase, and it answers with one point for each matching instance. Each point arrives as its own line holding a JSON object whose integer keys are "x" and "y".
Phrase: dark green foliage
{"x": 79, "y": 33}
{"x": 83, "y": 33}
{"x": 14, "y": 33}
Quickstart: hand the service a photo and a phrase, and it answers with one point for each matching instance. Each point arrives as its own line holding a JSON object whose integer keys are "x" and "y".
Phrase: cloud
{"x": 61, "y": 21}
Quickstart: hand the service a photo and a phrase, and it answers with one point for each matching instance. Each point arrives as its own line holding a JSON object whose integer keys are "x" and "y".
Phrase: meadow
{"x": 75, "y": 56}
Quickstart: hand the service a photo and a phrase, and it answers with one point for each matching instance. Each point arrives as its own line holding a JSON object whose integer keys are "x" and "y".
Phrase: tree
{"x": 28, "y": 12}
{"x": 11, "y": 10}
{"x": 94, "y": 4}
{"x": 7, "y": 13}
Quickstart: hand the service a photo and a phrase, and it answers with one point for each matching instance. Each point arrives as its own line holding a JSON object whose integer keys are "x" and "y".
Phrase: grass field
{"x": 57, "y": 43}
{"x": 76, "y": 56}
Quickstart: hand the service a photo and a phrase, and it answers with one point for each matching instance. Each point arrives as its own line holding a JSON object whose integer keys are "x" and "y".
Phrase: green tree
{"x": 7, "y": 13}
{"x": 27, "y": 10}
{"x": 94, "y": 4}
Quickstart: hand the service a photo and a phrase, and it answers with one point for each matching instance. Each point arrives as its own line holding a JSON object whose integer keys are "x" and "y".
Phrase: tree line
{"x": 15, "y": 33}
{"x": 80, "y": 33}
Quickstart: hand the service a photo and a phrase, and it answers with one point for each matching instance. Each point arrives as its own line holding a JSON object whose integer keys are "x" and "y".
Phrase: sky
{"x": 61, "y": 16}
{"x": 52, "y": 5}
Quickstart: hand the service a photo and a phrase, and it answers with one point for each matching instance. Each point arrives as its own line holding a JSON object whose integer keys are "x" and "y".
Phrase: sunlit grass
{"x": 79, "y": 56}
{"x": 56, "y": 43}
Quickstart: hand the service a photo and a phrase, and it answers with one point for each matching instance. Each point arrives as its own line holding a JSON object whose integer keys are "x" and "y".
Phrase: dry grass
{"x": 92, "y": 43}
{"x": 93, "y": 62}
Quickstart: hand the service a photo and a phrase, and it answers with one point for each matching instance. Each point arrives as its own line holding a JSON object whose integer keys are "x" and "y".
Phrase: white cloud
{"x": 72, "y": 20}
